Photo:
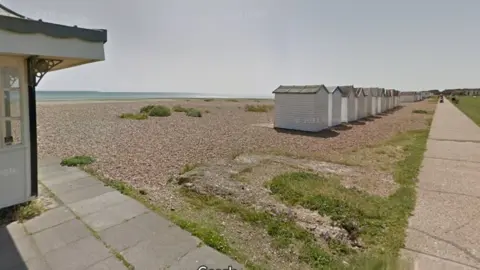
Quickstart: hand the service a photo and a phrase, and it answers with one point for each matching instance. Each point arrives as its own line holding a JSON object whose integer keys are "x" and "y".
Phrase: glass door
{"x": 10, "y": 108}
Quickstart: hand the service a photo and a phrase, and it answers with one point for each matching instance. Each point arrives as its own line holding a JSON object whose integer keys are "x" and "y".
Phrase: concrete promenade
{"x": 444, "y": 231}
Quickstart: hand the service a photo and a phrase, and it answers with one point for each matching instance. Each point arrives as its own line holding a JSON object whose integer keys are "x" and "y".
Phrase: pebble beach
{"x": 146, "y": 153}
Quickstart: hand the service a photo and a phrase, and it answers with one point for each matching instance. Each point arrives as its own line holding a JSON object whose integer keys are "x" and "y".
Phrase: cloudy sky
{"x": 251, "y": 46}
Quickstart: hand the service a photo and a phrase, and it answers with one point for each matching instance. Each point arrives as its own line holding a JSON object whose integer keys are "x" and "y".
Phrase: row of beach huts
{"x": 317, "y": 107}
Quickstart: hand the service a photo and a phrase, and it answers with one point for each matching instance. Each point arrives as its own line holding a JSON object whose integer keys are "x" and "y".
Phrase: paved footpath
{"x": 444, "y": 231}
{"x": 92, "y": 224}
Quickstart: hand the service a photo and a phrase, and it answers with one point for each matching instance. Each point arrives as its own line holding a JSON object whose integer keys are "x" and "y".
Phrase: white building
{"x": 349, "y": 101}
{"x": 29, "y": 49}
{"x": 408, "y": 96}
{"x": 361, "y": 103}
{"x": 370, "y": 101}
{"x": 380, "y": 100}
{"x": 335, "y": 104}
{"x": 302, "y": 107}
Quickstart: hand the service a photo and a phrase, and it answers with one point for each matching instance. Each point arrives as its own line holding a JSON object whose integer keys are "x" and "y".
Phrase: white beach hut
{"x": 388, "y": 99}
{"x": 361, "y": 103}
{"x": 407, "y": 96}
{"x": 349, "y": 100}
{"x": 302, "y": 107}
{"x": 29, "y": 49}
{"x": 380, "y": 100}
{"x": 335, "y": 104}
{"x": 396, "y": 98}
{"x": 369, "y": 101}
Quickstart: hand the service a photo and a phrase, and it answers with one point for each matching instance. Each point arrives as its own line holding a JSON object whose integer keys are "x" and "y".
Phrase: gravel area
{"x": 146, "y": 153}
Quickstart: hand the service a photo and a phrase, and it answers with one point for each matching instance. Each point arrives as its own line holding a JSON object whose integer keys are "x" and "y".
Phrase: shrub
{"x": 134, "y": 116}
{"x": 208, "y": 99}
{"x": 178, "y": 108}
{"x": 146, "y": 109}
{"x": 232, "y": 100}
{"x": 420, "y": 111}
{"x": 160, "y": 111}
{"x": 77, "y": 161}
{"x": 193, "y": 113}
{"x": 258, "y": 108}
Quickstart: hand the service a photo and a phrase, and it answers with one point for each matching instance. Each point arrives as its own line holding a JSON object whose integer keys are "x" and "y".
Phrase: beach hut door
{"x": 14, "y": 140}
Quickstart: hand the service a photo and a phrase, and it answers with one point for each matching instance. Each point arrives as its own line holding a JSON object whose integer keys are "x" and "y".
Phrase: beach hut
{"x": 348, "y": 103}
{"x": 29, "y": 49}
{"x": 361, "y": 103}
{"x": 388, "y": 99}
{"x": 396, "y": 98}
{"x": 407, "y": 96}
{"x": 302, "y": 107}
{"x": 335, "y": 104}
{"x": 371, "y": 101}
{"x": 380, "y": 100}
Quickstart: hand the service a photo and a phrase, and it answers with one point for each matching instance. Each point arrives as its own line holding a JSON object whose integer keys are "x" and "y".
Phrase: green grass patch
{"x": 188, "y": 167}
{"x": 421, "y": 112}
{"x": 379, "y": 222}
{"x": 134, "y": 116}
{"x": 284, "y": 232}
{"x": 191, "y": 112}
{"x": 146, "y": 109}
{"x": 21, "y": 213}
{"x": 77, "y": 161}
{"x": 470, "y": 106}
{"x": 258, "y": 108}
{"x": 178, "y": 108}
{"x": 160, "y": 111}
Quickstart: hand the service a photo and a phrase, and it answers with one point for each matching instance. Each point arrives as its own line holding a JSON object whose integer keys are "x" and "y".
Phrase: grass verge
{"x": 470, "y": 106}
{"x": 207, "y": 234}
{"x": 379, "y": 222}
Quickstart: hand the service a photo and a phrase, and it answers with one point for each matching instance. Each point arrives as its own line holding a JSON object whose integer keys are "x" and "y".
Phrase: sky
{"x": 249, "y": 47}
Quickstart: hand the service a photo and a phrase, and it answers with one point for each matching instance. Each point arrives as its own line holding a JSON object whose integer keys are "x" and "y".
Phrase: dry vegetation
{"x": 271, "y": 199}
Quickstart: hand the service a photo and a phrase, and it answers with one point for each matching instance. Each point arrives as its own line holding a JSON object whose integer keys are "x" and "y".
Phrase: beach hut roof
{"x": 300, "y": 89}
{"x": 346, "y": 90}
{"x": 361, "y": 91}
{"x": 14, "y": 22}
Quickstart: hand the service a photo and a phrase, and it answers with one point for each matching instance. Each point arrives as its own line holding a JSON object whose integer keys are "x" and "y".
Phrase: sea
{"x": 44, "y": 95}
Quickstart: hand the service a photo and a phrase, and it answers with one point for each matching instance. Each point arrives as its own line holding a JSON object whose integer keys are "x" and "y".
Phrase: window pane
{"x": 10, "y": 78}
{"x": 12, "y": 132}
{"x": 12, "y": 103}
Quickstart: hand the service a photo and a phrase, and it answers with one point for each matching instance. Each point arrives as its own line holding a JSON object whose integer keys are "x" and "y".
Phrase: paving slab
{"x": 85, "y": 193}
{"x": 125, "y": 235}
{"x": 421, "y": 242}
{"x": 69, "y": 186}
{"x": 205, "y": 258}
{"x": 172, "y": 245}
{"x": 78, "y": 255}
{"x": 454, "y": 177}
{"x": 14, "y": 252}
{"x": 14, "y": 230}
{"x": 426, "y": 262}
{"x": 95, "y": 204}
{"x": 64, "y": 177}
{"x": 109, "y": 264}
{"x": 49, "y": 219}
{"x": 115, "y": 214}
{"x": 455, "y": 151}
{"x": 61, "y": 235}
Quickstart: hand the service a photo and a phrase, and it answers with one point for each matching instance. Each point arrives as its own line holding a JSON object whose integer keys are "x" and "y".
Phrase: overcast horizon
{"x": 246, "y": 47}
